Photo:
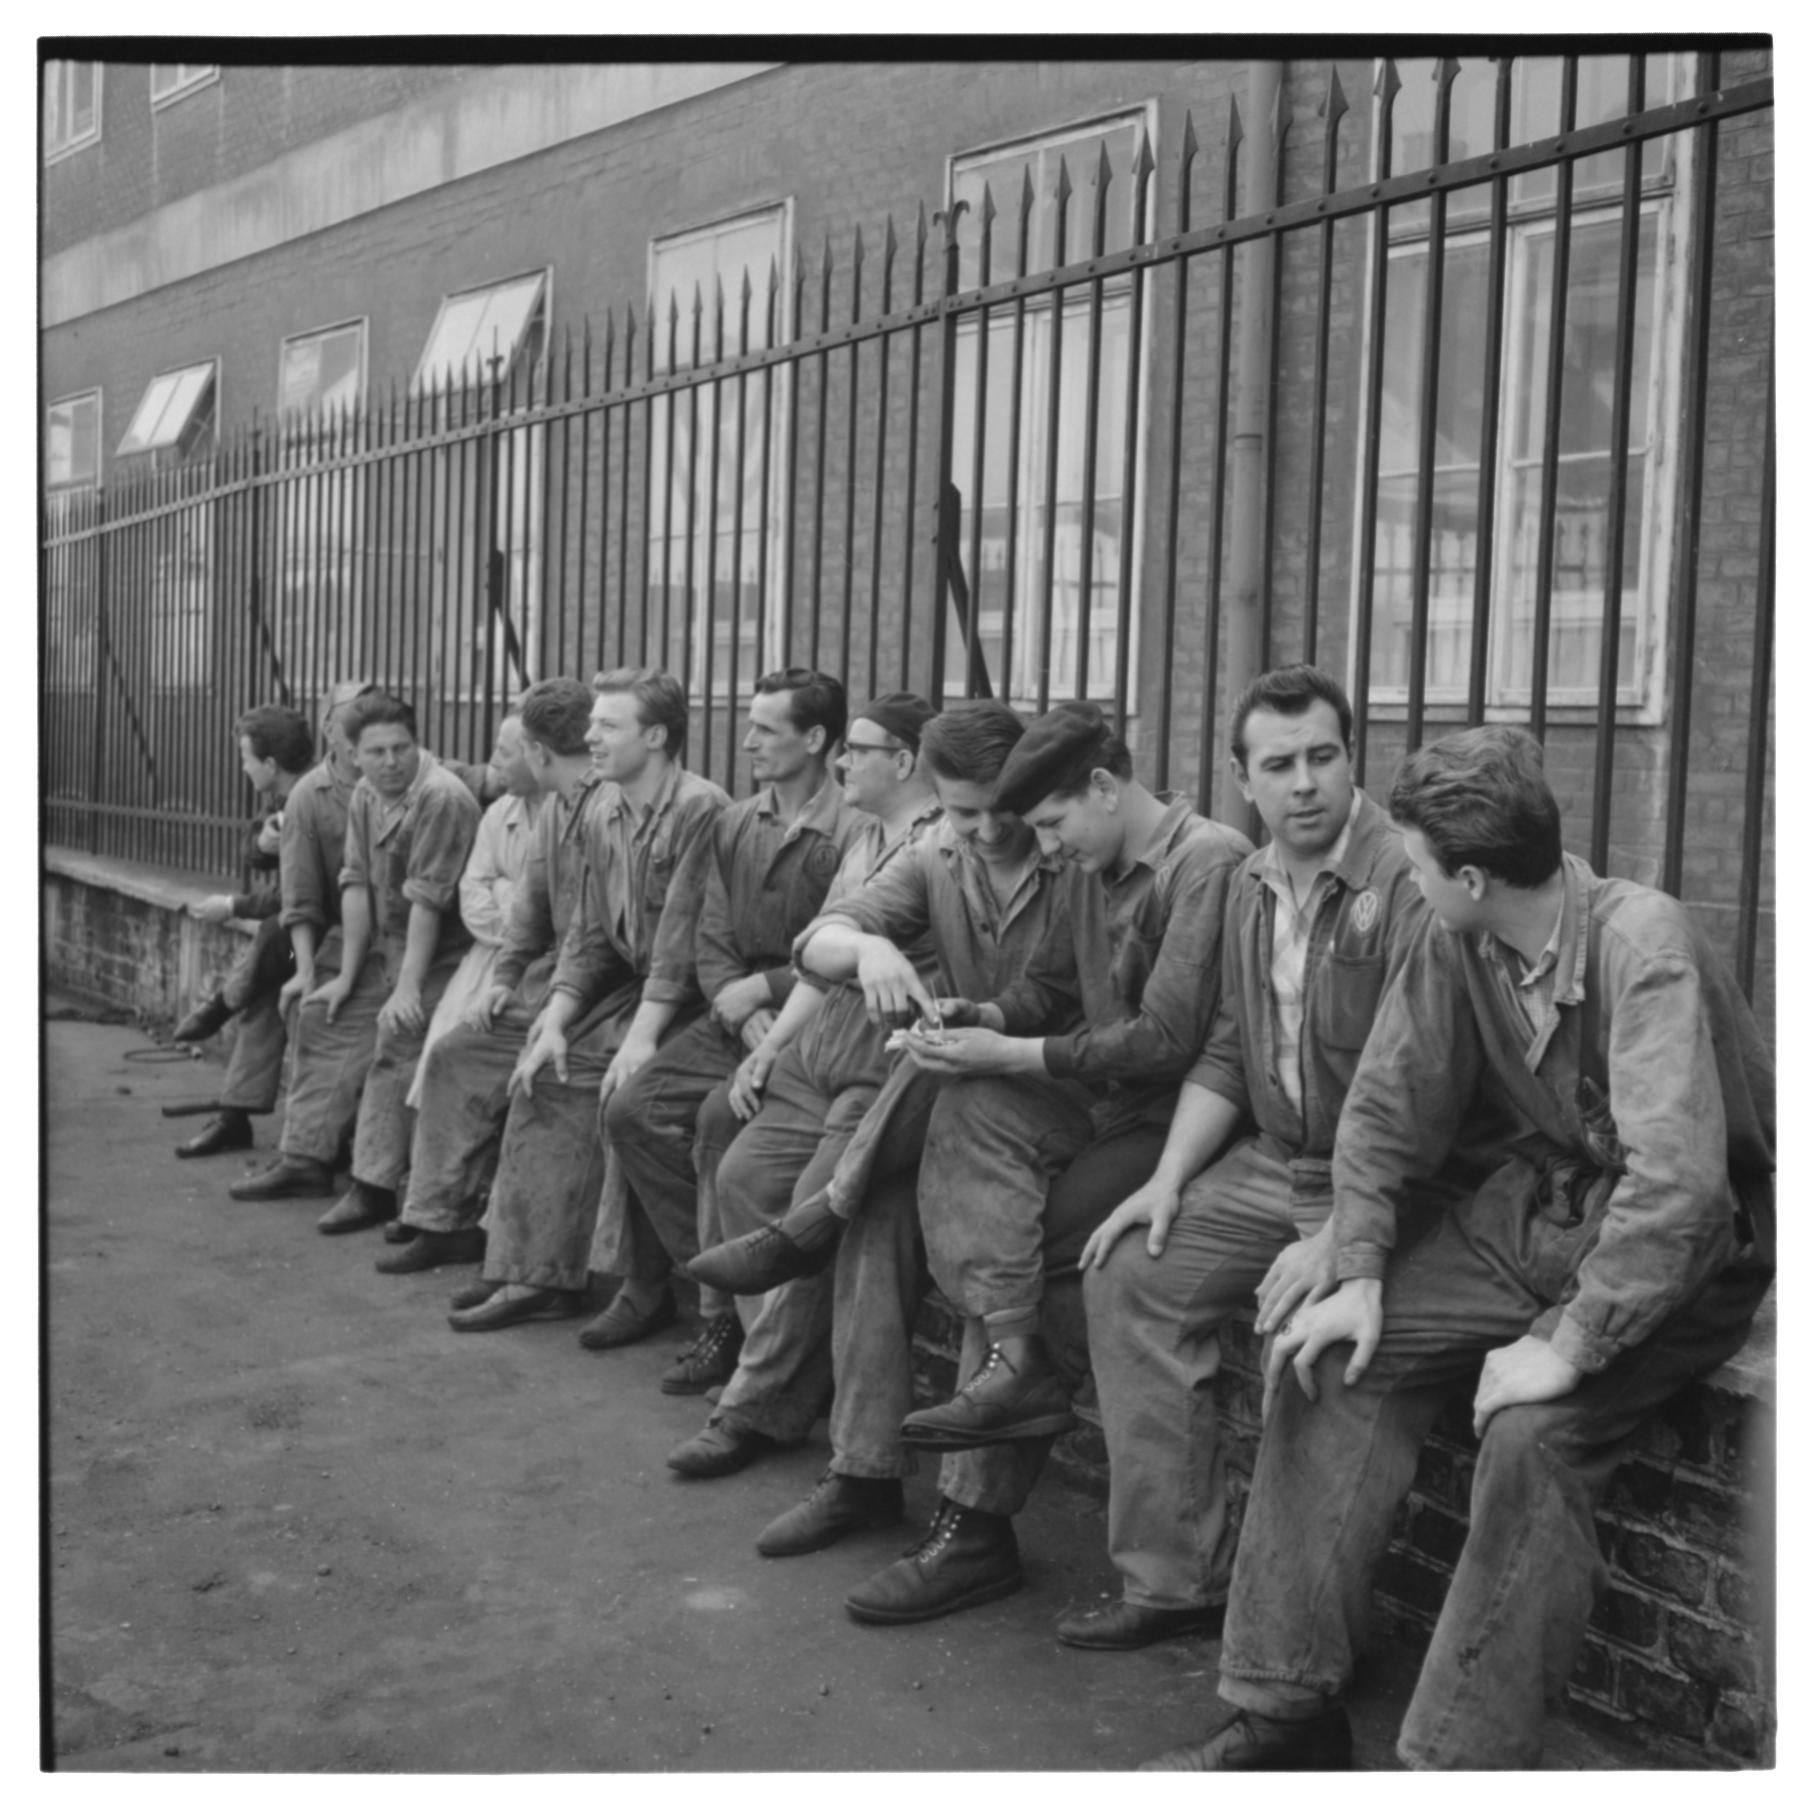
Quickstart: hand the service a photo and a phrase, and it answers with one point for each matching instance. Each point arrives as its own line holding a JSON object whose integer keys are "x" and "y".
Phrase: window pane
{"x": 81, "y": 99}
{"x": 321, "y": 371}
{"x": 140, "y": 436}
{"x": 475, "y": 327}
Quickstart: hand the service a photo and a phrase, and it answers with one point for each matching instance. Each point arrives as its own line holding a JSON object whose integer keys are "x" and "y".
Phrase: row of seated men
{"x": 1450, "y": 1110}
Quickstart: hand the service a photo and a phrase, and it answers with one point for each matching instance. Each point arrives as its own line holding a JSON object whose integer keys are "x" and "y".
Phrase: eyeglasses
{"x": 872, "y": 747}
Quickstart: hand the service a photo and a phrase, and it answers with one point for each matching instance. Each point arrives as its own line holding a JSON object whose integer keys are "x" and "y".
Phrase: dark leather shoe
{"x": 967, "y": 1558}
{"x": 290, "y": 1178}
{"x": 1124, "y": 1626}
{"x": 433, "y": 1250}
{"x": 203, "y": 1022}
{"x": 398, "y": 1232}
{"x": 230, "y": 1130}
{"x": 758, "y": 1262}
{"x": 709, "y": 1359}
{"x": 1006, "y": 1398}
{"x": 622, "y": 1323}
{"x": 473, "y": 1294}
{"x": 358, "y": 1208}
{"x": 494, "y": 1313}
{"x": 836, "y": 1506}
{"x": 717, "y": 1450}
{"x": 1251, "y": 1742}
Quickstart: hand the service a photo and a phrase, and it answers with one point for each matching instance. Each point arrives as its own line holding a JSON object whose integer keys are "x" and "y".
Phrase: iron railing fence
{"x": 973, "y": 462}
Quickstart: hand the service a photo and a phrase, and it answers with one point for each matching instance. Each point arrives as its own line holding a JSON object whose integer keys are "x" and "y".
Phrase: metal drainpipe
{"x": 1253, "y": 406}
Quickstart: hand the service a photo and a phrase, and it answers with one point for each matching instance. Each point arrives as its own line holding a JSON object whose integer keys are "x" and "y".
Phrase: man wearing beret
{"x": 1134, "y": 947}
{"x": 773, "y": 1135}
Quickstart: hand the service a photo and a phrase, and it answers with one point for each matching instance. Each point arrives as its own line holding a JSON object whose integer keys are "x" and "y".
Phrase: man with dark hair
{"x": 761, "y": 875}
{"x": 601, "y": 950}
{"x": 1134, "y": 946}
{"x": 1316, "y": 925}
{"x": 275, "y": 749}
{"x": 1618, "y": 1254}
{"x": 408, "y": 834}
{"x": 772, "y": 1135}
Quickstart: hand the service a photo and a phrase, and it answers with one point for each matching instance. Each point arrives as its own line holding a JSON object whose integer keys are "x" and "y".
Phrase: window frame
{"x": 69, "y": 146}
{"x": 1073, "y": 302}
{"x": 1664, "y": 214}
{"x": 185, "y": 86}
{"x": 72, "y": 486}
{"x": 542, "y": 310}
{"x": 360, "y": 324}
{"x": 182, "y": 453}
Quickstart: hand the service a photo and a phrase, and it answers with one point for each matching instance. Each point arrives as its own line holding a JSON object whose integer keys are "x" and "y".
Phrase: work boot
{"x": 203, "y": 1021}
{"x": 1014, "y": 1393}
{"x": 230, "y": 1130}
{"x": 801, "y": 1243}
{"x": 398, "y": 1232}
{"x": 358, "y": 1208}
{"x": 433, "y": 1250}
{"x": 969, "y": 1557}
{"x": 290, "y": 1178}
{"x": 1127, "y": 1626}
{"x": 627, "y": 1319}
{"x": 474, "y": 1294}
{"x": 836, "y": 1506}
{"x": 708, "y": 1359}
{"x": 1251, "y": 1742}
{"x": 718, "y": 1450}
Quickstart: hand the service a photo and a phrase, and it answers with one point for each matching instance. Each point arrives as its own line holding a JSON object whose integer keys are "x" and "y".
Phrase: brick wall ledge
{"x": 171, "y": 888}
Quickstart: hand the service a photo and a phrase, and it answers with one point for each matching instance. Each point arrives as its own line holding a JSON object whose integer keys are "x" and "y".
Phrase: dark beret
{"x": 900, "y": 714}
{"x": 1055, "y": 754}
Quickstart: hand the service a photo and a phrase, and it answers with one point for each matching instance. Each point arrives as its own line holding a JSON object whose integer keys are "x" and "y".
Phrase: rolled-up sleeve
{"x": 444, "y": 831}
{"x": 355, "y": 870}
{"x": 893, "y": 903}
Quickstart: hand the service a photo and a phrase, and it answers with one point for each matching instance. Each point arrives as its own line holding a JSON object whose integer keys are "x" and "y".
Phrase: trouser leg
{"x": 385, "y": 1120}
{"x": 1154, "y": 1351}
{"x": 998, "y": 1478}
{"x": 330, "y": 1063}
{"x": 263, "y": 964}
{"x": 463, "y": 1107}
{"x": 717, "y": 1127}
{"x": 254, "y": 1068}
{"x": 549, "y": 1174}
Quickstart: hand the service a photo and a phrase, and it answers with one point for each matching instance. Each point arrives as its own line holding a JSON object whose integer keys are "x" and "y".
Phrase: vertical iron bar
{"x": 689, "y": 593}
{"x": 821, "y": 462}
{"x": 849, "y": 478}
{"x": 97, "y": 770}
{"x": 714, "y": 530}
{"x": 1188, "y": 153}
{"x": 1051, "y": 484}
{"x": 890, "y": 259}
{"x": 909, "y": 482}
{"x": 793, "y": 427}
{"x": 1755, "y": 766}
{"x": 770, "y": 372}
{"x": 1335, "y": 104}
{"x": 1281, "y": 124}
{"x": 946, "y": 507}
{"x": 670, "y": 399}
{"x": 1018, "y": 345}
{"x": 982, "y": 399}
{"x": 1088, "y": 479}
{"x": 1142, "y": 169}
{"x": 739, "y": 603}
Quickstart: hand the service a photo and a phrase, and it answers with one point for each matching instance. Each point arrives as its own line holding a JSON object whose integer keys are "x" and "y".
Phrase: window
{"x": 684, "y": 533}
{"x": 322, "y": 372}
{"x": 72, "y": 442}
{"x": 170, "y": 81}
{"x": 1024, "y": 644}
{"x": 480, "y": 333}
{"x": 71, "y": 107}
{"x": 176, "y": 414}
{"x": 1588, "y": 351}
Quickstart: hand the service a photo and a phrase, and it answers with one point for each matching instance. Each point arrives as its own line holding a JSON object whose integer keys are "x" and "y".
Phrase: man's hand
{"x": 893, "y": 990}
{"x": 634, "y": 1053}
{"x": 965, "y": 1052}
{"x": 1519, "y": 1375}
{"x": 269, "y": 836}
{"x": 482, "y": 1012}
{"x": 546, "y": 1045}
{"x": 1156, "y": 1205}
{"x": 332, "y": 995}
{"x": 402, "y": 1010}
{"x": 1302, "y": 1273}
{"x": 757, "y": 1027}
{"x": 294, "y": 989}
{"x": 738, "y": 1000}
{"x": 746, "y": 1093}
{"x": 1353, "y": 1312}
{"x": 217, "y": 909}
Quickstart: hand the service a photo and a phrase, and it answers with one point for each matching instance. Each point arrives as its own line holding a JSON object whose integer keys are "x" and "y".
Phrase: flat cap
{"x": 900, "y": 714}
{"x": 1057, "y": 753}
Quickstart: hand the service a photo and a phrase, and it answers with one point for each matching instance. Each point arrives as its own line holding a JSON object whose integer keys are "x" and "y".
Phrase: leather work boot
{"x": 708, "y": 1359}
{"x": 836, "y": 1506}
{"x": 718, "y": 1450}
{"x": 395, "y": 1232}
{"x": 474, "y": 1294}
{"x": 203, "y": 1021}
{"x": 358, "y": 1208}
{"x": 624, "y": 1322}
{"x": 290, "y": 1178}
{"x": 1127, "y": 1626}
{"x": 433, "y": 1250}
{"x": 801, "y": 1243}
{"x": 1014, "y": 1393}
{"x": 969, "y": 1557}
{"x": 1250, "y": 1742}
{"x": 230, "y": 1130}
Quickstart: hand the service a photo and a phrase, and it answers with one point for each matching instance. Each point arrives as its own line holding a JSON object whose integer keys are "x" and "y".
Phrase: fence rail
{"x": 1126, "y": 462}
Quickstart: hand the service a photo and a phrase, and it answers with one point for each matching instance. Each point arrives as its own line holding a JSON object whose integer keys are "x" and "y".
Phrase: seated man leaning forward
{"x": 1618, "y": 1254}
{"x": 1318, "y": 923}
{"x": 617, "y": 896}
{"x": 275, "y": 749}
{"x": 1034, "y": 1135}
{"x": 407, "y": 836}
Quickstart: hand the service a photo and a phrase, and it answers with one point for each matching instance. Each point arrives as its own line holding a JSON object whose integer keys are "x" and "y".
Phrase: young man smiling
{"x": 1618, "y": 1254}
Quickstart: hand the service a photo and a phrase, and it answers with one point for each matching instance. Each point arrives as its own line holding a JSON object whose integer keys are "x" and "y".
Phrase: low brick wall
{"x": 1680, "y": 1652}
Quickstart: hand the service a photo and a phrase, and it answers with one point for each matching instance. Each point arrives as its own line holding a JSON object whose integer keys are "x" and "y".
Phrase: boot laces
{"x": 709, "y": 1341}
{"x": 946, "y": 1523}
{"x": 994, "y": 1361}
